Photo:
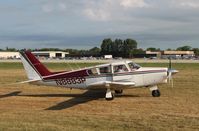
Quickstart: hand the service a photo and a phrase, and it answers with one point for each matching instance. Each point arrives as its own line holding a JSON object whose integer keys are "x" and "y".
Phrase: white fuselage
{"x": 142, "y": 77}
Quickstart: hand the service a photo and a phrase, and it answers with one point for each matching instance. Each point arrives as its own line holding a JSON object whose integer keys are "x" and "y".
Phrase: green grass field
{"x": 29, "y": 107}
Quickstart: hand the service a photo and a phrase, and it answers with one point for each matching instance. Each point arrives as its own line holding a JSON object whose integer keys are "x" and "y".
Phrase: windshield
{"x": 133, "y": 66}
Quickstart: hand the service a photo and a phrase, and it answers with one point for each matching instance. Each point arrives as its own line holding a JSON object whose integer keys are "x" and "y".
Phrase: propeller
{"x": 170, "y": 73}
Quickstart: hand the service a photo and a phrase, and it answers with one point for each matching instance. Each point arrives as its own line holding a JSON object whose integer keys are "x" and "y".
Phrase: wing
{"x": 113, "y": 83}
{"x": 123, "y": 83}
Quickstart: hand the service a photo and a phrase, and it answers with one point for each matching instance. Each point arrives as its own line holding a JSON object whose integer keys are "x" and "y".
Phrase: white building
{"x": 51, "y": 54}
{"x": 46, "y": 54}
{"x": 9, "y": 55}
{"x": 108, "y": 56}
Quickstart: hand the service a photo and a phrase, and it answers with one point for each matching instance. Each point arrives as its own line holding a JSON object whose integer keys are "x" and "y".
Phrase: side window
{"x": 104, "y": 70}
{"x": 120, "y": 68}
{"x": 92, "y": 71}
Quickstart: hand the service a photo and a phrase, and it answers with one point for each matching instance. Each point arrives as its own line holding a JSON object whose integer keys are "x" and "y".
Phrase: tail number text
{"x": 69, "y": 81}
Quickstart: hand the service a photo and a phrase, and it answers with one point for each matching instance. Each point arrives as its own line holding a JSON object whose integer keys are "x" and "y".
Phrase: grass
{"x": 29, "y": 107}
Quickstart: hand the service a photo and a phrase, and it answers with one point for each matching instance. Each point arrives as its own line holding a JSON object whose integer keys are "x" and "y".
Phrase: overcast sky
{"x": 83, "y": 24}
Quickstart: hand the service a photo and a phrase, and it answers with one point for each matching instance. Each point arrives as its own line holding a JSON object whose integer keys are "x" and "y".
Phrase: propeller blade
{"x": 172, "y": 83}
{"x": 171, "y": 72}
{"x": 170, "y": 66}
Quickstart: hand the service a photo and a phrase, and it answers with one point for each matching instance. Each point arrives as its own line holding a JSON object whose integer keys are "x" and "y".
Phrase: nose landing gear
{"x": 155, "y": 91}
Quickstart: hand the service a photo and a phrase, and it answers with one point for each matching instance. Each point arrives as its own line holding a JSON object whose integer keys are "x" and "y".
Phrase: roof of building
{"x": 178, "y": 52}
{"x": 50, "y": 52}
{"x": 153, "y": 52}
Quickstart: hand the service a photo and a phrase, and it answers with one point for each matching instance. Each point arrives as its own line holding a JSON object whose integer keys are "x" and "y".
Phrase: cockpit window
{"x": 92, "y": 71}
{"x": 120, "y": 68}
{"x": 104, "y": 70}
{"x": 134, "y": 66}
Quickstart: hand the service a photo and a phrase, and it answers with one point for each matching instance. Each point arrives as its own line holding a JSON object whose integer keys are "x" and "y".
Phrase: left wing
{"x": 123, "y": 83}
{"x": 104, "y": 83}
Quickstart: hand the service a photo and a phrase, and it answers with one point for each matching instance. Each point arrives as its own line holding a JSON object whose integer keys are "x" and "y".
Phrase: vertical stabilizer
{"x": 34, "y": 68}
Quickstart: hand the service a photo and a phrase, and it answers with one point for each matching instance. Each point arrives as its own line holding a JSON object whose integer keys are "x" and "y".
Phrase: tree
{"x": 169, "y": 49}
{"x": 196, "y": 51}
{"x": 129, "y": 45}
{"x": 95, "y": 51}
{"x": 106, "y": 46}
{"x": 184, "y": 48}
{"x": 138, "y": 51}
{"x": 10, "y": 49}
{"x": 118, "y": 48}
{"x": 153, "y": 49}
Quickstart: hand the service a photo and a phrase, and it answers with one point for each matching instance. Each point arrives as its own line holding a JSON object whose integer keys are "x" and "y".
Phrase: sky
{"x": 83, "y": 24}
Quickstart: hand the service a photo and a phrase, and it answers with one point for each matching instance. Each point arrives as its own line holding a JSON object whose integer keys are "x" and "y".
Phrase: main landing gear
{"x": 109, "y": 95}
{"x": 155, "y": 91}
{"x": 118, "y": 91}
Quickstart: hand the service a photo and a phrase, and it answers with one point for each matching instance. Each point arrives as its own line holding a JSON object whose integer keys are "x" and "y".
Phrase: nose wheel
{"x": 155, "y": 91}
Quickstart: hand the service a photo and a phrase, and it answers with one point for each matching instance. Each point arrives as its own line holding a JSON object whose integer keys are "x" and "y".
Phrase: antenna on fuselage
{"x": 170, "y": 64}
{"x": 70, "y": 66}
{"x": 77, "y": 66}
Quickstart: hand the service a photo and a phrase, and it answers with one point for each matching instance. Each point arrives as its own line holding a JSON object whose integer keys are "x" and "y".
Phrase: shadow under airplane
{"x": 77, "y": 99}
{"x": 89, "y": 95}
{"x": 83, "y": 98}
{"x": 15, "y": 93}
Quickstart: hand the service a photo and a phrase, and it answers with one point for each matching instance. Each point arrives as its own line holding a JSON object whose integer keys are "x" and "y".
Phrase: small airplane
{"x": 114, "y": 76}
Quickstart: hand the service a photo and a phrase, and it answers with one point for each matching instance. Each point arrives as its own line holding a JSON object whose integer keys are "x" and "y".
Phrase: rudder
{"x": 34, "y": 68}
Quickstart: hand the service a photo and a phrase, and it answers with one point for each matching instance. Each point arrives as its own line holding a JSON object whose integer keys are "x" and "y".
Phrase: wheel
{"x": 110, "y": 98}
{"x": 156, "y": 93}
{"x": 118, "y": 91}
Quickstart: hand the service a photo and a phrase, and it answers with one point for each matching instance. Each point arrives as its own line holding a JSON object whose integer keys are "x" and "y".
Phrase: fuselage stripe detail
{"x": 110, "y": 75}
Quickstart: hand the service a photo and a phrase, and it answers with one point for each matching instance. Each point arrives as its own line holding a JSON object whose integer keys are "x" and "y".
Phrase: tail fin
{"x": 34, "y": 68}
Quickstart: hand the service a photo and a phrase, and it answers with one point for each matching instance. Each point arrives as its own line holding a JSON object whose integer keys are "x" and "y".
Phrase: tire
{"x": 118, "y": 91}
{"x": 109, "y": 99}
{"x": 156, "y": 93}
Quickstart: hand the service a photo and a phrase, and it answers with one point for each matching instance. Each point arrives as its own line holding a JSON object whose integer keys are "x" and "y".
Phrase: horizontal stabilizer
{"x": 23, "y": 82}
{"x": 28, "y": 81}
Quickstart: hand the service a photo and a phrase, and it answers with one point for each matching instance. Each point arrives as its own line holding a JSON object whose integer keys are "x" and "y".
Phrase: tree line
{"x": 118, "y": 48}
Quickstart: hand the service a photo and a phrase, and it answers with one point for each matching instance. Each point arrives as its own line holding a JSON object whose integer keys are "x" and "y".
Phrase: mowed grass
{"x": 30, "y": 107}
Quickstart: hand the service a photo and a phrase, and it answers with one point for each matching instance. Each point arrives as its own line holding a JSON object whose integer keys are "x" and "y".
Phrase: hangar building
{"x": 172, "y": 54}
{"x": 46, "y": 54}
{"x": 9, "y": 55}
{"x": 51, "y": 54}
{"x": 177, "y": 54}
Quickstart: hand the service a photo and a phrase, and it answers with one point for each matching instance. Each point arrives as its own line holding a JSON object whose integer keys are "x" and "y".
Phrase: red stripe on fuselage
{"x": 80, "y": 73}
{"x": 83, "y": 73}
